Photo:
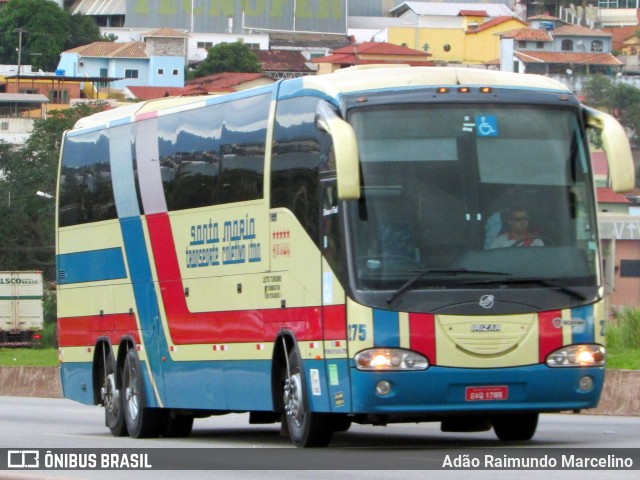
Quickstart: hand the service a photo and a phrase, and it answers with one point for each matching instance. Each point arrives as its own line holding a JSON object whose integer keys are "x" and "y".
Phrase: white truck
{"x": 21, "y": 313}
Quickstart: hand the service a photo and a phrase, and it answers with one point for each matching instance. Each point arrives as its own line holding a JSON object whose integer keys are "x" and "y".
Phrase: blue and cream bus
{"x": 317, "y": 252}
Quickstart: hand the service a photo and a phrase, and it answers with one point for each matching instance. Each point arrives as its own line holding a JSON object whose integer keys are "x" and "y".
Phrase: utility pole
{"x": 19, "y": 31}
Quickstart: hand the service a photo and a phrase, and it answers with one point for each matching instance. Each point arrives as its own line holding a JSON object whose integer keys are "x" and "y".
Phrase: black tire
{"x": 178, "y": 426}
{"x": 306, "y": 429}
{"x": 141, "y": 421}
{"x": 112, "y": 399}
{"x": 515, "y": 427}
{"x": 340, "y": 423}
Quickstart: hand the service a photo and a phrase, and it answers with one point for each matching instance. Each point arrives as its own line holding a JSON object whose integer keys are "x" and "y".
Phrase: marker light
{"x": 443, "y": 90}
{"x": 464, "y": 89}
{"x": 577, "y": 356}
{"x": 376, "y": 359}
{"x": 485, "y": 89}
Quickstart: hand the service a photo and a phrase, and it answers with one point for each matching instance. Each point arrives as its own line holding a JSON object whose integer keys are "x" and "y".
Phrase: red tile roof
{"x": 578, "y": 31}
{"x": 150, "y": 93}
{"x": 620, "y": 34}
{"x": 606, "y": 195}
{"x": 221, "y": 82}
{"x": 568, "y": 57}
{"x": 166, "y": 32}
{"x": 282, "y": 61}
{"x": 111, "y": 50}
{"x": 493, "y": 23}
{"x": 528, "y": 34}
{"x": 379, "y": 48}
{"x": 362, "y": 54}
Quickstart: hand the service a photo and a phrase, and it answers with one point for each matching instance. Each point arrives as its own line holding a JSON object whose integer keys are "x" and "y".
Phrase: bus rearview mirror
{"x": 345, "y": 150}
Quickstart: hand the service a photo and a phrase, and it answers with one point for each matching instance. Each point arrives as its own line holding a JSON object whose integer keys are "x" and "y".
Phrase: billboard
{"x": 239, "y": 16}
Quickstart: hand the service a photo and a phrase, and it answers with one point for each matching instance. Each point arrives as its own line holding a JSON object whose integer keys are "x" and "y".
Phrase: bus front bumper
{"x": 442, "y": 390}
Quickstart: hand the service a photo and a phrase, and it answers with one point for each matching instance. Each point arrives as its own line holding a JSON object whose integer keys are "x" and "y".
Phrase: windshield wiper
{"x": 446, "y": 271}
{"x": 545, "y": 282}
{"x": 552, "y": 283}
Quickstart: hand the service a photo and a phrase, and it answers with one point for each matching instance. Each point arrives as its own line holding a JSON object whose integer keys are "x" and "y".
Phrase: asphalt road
{"x": 364, "y": 452}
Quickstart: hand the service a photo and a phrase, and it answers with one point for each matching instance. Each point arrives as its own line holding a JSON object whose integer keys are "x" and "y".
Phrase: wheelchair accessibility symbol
{"x": 487, "y": 126}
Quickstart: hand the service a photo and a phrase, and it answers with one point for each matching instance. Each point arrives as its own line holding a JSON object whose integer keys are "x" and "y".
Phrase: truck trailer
{"x": 21, "y": 313}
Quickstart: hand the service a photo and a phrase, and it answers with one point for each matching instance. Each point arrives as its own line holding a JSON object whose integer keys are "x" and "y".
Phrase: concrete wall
{"x": 618, "y": 398}
{"x": 30, "y": 382}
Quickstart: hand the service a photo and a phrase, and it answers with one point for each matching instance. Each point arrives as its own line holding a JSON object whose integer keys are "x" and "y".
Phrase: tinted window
{"x": 189, "y": 145}
{"x": 86, "y": 194}
{"x": 299, "y": 150}
{"x": 215, "y": 154}
{"x": 243, "y": 145}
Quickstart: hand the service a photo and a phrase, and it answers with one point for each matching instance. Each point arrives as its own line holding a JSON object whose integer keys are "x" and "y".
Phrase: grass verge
{"x": 37, "y": 357}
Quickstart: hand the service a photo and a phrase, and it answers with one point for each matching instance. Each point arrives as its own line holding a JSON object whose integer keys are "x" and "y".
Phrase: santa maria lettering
{"x": 231, "y": 242}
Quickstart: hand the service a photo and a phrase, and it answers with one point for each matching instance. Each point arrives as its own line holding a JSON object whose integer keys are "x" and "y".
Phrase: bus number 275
{"x": 357, "y": 331}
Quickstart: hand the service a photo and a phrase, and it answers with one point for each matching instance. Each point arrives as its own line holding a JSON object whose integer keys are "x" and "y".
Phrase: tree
{"x": 596, "y": 91}
{"x": 84, "y": 30}
{"x": 27, "y": 228}
{"x": 46, "y": 30}
{"x": 45, "y": 33}
{"x": 228, "y": 57}
{"x": 618, "y": 98}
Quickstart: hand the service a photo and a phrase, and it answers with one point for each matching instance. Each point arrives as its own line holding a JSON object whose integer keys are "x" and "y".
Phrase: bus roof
{"x": 356, "y": 79}
{"x": 360, "y": 78}
{"x": 128, "y": 111}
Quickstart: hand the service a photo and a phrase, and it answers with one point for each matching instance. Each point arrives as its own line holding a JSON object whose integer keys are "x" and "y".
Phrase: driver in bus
{"x": 518, "y": 234}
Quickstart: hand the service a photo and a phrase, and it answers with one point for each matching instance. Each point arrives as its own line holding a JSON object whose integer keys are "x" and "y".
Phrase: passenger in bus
{"x": 518, "y": 234}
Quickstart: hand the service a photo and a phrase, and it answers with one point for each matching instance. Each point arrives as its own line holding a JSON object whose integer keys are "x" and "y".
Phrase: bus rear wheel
{"x": 515, "y": 427}
{"x": 306, "y": 428}
{"x": 141, "y": 421}
{"x": 111, "y": 399}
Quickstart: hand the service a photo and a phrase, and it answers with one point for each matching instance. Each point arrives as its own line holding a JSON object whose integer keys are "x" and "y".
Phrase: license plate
{"x": 480, "y": 394}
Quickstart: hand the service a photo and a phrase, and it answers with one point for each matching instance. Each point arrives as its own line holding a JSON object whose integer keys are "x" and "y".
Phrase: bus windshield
{"x": 452, "y": 194}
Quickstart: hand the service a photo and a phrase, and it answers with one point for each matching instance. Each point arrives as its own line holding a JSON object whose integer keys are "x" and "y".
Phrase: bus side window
{"x": 299, "y": 152}
{"x": 86, "y": 193}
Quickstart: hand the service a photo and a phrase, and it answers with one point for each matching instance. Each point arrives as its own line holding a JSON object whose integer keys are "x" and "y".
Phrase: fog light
{"x": 585, "y": 383}
{"x": 383, "y": 388}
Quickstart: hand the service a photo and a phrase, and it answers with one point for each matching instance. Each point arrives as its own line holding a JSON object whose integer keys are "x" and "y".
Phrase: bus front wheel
{"x": 515, "y": 427}
{"x": 306, "y": 428}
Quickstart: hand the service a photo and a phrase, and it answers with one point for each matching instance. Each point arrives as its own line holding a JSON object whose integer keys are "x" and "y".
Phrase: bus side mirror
{"x": 345, "y": 149}
{"x": 616, "y": 144}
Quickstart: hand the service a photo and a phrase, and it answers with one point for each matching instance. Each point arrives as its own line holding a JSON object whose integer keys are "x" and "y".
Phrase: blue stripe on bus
{"x": 386, "y": 328}
{"x": 91, "y": 266}
{"x": 583, "y": 332}
{"x": 146, "y": 298}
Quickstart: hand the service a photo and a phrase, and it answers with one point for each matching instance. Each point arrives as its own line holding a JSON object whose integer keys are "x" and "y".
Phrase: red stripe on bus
{"x": 422, "y": 334}
{"x": 146, "y": 116}
{"x": 84, "y": 331}
{"x": 335, "y": 322}
{"x": 550, "y": 333}
{"x": 186, "y": 327}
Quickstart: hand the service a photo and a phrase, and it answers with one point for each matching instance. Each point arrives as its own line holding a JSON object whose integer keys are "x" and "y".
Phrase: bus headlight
{"x": 381, "y": 359}
{"x": 577, "y": 356}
